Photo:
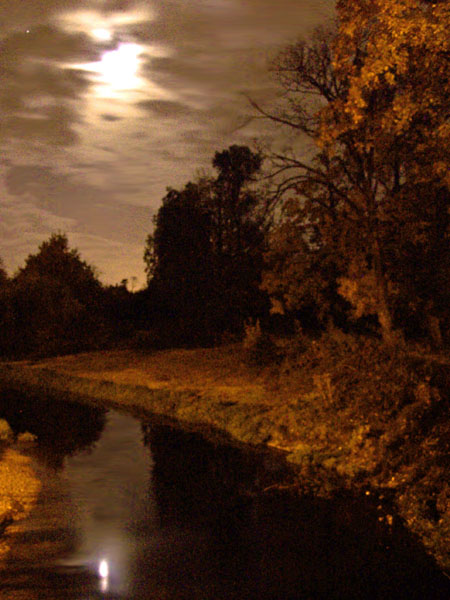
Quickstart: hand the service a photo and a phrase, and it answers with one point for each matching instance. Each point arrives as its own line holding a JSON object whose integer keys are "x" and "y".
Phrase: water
{"x": 140, "y": 510}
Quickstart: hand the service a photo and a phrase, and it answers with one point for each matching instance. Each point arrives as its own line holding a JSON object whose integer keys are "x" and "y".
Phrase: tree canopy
{"x": 53, "y": 304}
{"x": 373, "y": 95}
{"x": 63, "y": 266}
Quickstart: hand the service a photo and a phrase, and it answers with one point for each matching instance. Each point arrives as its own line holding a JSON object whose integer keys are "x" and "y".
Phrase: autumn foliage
{"x": 373, "y": 202}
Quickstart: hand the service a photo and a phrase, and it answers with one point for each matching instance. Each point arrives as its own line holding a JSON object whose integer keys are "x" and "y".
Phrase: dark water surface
{"x": 140, "y": 510}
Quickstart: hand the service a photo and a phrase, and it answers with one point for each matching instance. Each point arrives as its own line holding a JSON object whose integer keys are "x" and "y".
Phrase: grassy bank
{"x": 19, "y": 487}
{"x": 347, "y": 411}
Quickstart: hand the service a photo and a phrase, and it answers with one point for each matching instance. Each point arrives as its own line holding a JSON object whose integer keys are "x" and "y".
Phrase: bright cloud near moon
{"x": 101, "y": 34}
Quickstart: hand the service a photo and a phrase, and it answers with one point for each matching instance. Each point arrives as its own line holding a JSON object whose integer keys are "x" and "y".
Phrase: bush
{"x": 259, "y": 348}
{"x": 6, "y": 433}
{"x": 143, "y": 340}
{"x": 26, "y": 438}
{"x": 360, "y": 374}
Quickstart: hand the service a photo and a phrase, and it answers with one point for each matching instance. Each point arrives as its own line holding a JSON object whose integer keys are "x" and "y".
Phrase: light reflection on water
{"x": 109, "y": 487}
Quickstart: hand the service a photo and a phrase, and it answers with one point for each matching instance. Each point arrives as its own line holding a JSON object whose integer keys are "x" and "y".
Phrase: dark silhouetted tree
{"x": 239, "y": 235}
{"x": 3, "y": 275}
{"x": 204, "y": 258}
{"x": 178, "y": 259}
{"x": 55, "y": 302}
{"x": 5, "y": 320}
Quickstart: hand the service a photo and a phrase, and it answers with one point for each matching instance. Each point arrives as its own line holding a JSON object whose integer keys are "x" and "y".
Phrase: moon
{"x": 118, "y": 69}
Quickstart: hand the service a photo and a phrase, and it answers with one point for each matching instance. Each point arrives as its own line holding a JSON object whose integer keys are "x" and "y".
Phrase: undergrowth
{"x": 379, "y": 416}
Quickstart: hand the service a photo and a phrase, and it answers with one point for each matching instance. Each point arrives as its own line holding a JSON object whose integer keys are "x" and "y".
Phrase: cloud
{"x": 113, "y": 260}
{"x": 92, "y": 209}
{"x": 39, "y": 92}
{"x": 111, "y": 118}
{"x": 16, "y": 15}
{"x": 218, "y": 55}
{"x": 37, "y": 202}
{"x": 23, "y": 227}
{"x": 166, "y": 109}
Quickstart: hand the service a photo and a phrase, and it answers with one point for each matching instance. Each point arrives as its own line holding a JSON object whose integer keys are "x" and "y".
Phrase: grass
{"x": 213, "y": 372}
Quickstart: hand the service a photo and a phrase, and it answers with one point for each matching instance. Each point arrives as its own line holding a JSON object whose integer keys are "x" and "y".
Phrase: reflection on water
{"x": 92, "y": 519}
{"x": 148, "y": 512}
{"x": 109, "y": 491}
{"x": 244, "y": 542}
{"x": 62, "y": 427}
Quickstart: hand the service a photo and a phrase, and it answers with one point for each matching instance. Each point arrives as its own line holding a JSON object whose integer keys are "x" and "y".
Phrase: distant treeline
{"x": 55, "y": 304}
{"x": 356, "y": 235}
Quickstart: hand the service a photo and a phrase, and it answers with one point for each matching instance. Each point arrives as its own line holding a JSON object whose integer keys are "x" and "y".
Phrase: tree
{"x": 395, "y": 58}
{"x": 374, "y": 97}
{"x": 56, "y": 261}
{"x": 3, "y": 275}
{"x": 301, "y": 272}
{"x": 238, "y": 234}
{"x": 419, "y": 257}
{"x": 322, "y": 206}
{"x": 4, "y": 307}
{"x": 232, "y": 202}
{"x": 204, "y": 258}
{"x": 178, "y": 259}
{"x": 55, "y": 302}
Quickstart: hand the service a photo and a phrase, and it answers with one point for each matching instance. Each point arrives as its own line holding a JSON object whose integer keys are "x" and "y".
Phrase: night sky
{"x": 104, "y": 103}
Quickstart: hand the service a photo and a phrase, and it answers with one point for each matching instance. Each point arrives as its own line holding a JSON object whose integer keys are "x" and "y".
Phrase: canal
{"x": 136, "y": 509}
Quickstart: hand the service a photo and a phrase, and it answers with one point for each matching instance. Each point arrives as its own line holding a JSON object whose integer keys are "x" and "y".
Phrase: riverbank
{"x": 344, "y": 423}
{"x": 20, "y": 487}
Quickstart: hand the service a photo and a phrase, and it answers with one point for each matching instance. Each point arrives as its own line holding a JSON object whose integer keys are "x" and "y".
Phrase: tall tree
{"x": 239, "y": 229}
{"x": 3, "y": 274}
{"x": 204, "y": 258}
{"x": 395, "y": 58}
{"x": 233, "y": 203}
{"x": 374, "y": 97}
{"x": 4, "y": 308}
{"x": 178, "y": 259}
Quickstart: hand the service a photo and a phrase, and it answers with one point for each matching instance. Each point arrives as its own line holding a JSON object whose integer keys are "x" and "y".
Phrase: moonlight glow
{"x": 101, "y": 34}
{"x": 118, "y": 68}
{"x": 103, "y": 569}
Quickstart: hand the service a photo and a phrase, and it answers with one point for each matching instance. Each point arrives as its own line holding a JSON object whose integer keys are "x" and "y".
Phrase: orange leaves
{"x": 395, "y": 60}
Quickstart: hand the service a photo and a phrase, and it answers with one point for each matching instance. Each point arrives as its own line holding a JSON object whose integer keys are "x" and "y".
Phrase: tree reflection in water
{"x": 238, "y": 536}
{"x": 185, "y": 518}
{"x": 61, "y": 426}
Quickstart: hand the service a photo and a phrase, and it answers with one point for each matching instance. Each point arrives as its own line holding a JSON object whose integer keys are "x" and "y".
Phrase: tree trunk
{"x": 383, "y": 309}
{"x": 433, "y": 325}
{"x": 385, "y": 320}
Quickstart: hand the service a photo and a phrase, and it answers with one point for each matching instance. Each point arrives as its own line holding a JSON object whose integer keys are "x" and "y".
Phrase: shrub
{"x": 372, "y": 382}
{"x": 143, "y": 340}
{"x": 26, "y": 438}
{"x": 6, "y": 433}
{"x": 259, "y": 348}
